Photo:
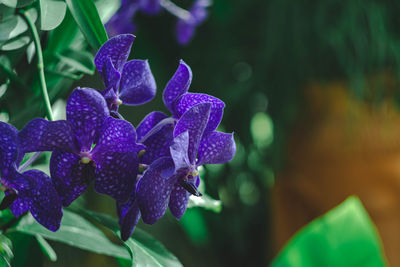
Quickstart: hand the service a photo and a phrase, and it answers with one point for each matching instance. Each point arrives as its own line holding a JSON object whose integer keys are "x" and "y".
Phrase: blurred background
{"x": 312, "y": 93}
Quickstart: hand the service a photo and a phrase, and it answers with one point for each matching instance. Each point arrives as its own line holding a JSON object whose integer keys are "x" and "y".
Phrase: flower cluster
{"x": 145, "y": 170}
{"x": 186, "y": 24}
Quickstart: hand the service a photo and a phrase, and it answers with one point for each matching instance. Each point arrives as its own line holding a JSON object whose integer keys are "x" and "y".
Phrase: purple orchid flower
{"x": 89, "y": 145}
{"x": 188, "y": 20}
{"x": 175, "y": 147}
{"x": 156, "y": 129}
{"x": 128, "y": 83}
{"x": 192, "y": 147}
{"x": 121, "y": 22}
{"x": 185, "y": 28}
{"x": 30, "y": 191}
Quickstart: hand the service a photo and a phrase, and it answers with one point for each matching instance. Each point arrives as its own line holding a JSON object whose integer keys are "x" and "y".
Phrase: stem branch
{"x": 175, "y": 10}
{"x": 40, "y": 64}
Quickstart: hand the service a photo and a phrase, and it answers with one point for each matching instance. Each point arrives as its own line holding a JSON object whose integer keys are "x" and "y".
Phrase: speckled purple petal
{"x": 137, "y": 83}
{"x": 149, "y": 122}
{"x": 216, "y": 147}
{"x": 179, "y": 151}
{"x": 110, "y": 75}
{"x": 43, "y": 135}
{"x": 178, "y": 201}
{"x": 45, "y": 205}
{"x": 188, "y": 100}
{"x": 128, "y": 220}
{"x": 178, "y": 85}
{"x": 9, "y": 152}
{"x": 116, "y": 158}
{"x": 195, "y": 121}
{"x": 86, "y": 110}
{"x": 116, "y": 173}
{"x": 117, "y": 48}
{"x": 116, "y": 136}
{"x": 70, "y": 176}
{"x": 20, "y": 205}
{"x": 157, "y": 141}
{"x": 154, "y": 189}
{"x": 151, "y": 7}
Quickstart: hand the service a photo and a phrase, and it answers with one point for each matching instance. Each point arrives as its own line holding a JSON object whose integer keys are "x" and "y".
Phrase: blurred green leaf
{"x": 107, "y": 8}
{"x": 16, "y": 3}
{"x": 12, "y": 27}
{"x": 81, "y": 61}
{"x": 15, "y": 43}
{"x": 88, "y": 20}
{"x": 145, "y": 249}
{"x": 345, "y": 236}
{"x": 17, "y": 37}
{"x": 6, "y": 254}
{"x": 62, "y": 36}
{"x": 52, "y": 13}
{"x": 205, "y": 202}
{"x": 74, "y": 231}
{"x": 46, "y": 248}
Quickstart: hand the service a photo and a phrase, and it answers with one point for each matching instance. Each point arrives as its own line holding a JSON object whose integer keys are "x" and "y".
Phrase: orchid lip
{"x": 86, "y": 157}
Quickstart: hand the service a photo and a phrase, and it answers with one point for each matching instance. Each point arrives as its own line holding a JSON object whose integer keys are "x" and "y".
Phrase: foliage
{"x": 345, "y": 236}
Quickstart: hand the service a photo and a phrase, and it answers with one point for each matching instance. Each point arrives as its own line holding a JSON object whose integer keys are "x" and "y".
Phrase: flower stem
{"x": 175, "y": 10}
{"x": 29, "y": 161}
{"x": 40, "y": 64}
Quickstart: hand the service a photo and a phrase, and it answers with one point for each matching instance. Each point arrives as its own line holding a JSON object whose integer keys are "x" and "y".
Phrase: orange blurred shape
{"x": 341, "y": 146}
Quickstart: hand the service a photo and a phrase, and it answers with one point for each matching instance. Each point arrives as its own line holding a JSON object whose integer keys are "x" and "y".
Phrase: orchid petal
{"x": 178, "y": 201}
{"x": 149, "y": 122}
{"x": 195, "y": 121}
{"x": 216, "y": 147}
{"x": 86, "y": 111}
{"x": 70, "y": 176}
{"x": 116, "y": 158}
{"x": 154, "y": 189}
{"x": 157, "y": 141}
{"x": 117, "y": 49}
{"x": 188, "y": 100}
{"x": 178, "y": 85}
{"x": 179, "y": 151}
{"x": 137, "y": 83}
{"x": 42, "y": 135}
{"x": 9, "y": 154}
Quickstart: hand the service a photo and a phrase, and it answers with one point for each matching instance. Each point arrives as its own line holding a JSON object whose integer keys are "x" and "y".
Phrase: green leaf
{"x": 107, "y": 8}
{"x": 16, "y": 36}
{"x": 46, "y": 248}
{"x": 52, "y": 13}
{"x": 16, "y": 3}
{"x": 63, "y": 36}
{"x": 74, "y": 231}
{"x": 6, "y": 254}
{"x": 12, "y": 27}
{"x": 81, "y": 61}
{"x": 88, "y": 20}
{"x": 206, "y": 202}
{"x": 6, "y": 12}
{"x": 144, "y": 249}
{"x": 15, "y": 43}
{"x": 345, "y": 236}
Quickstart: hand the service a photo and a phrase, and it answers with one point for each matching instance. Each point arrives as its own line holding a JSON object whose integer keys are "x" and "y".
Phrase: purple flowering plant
{"x": 47, "y": 164}
{"x": 144, "y": 170}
